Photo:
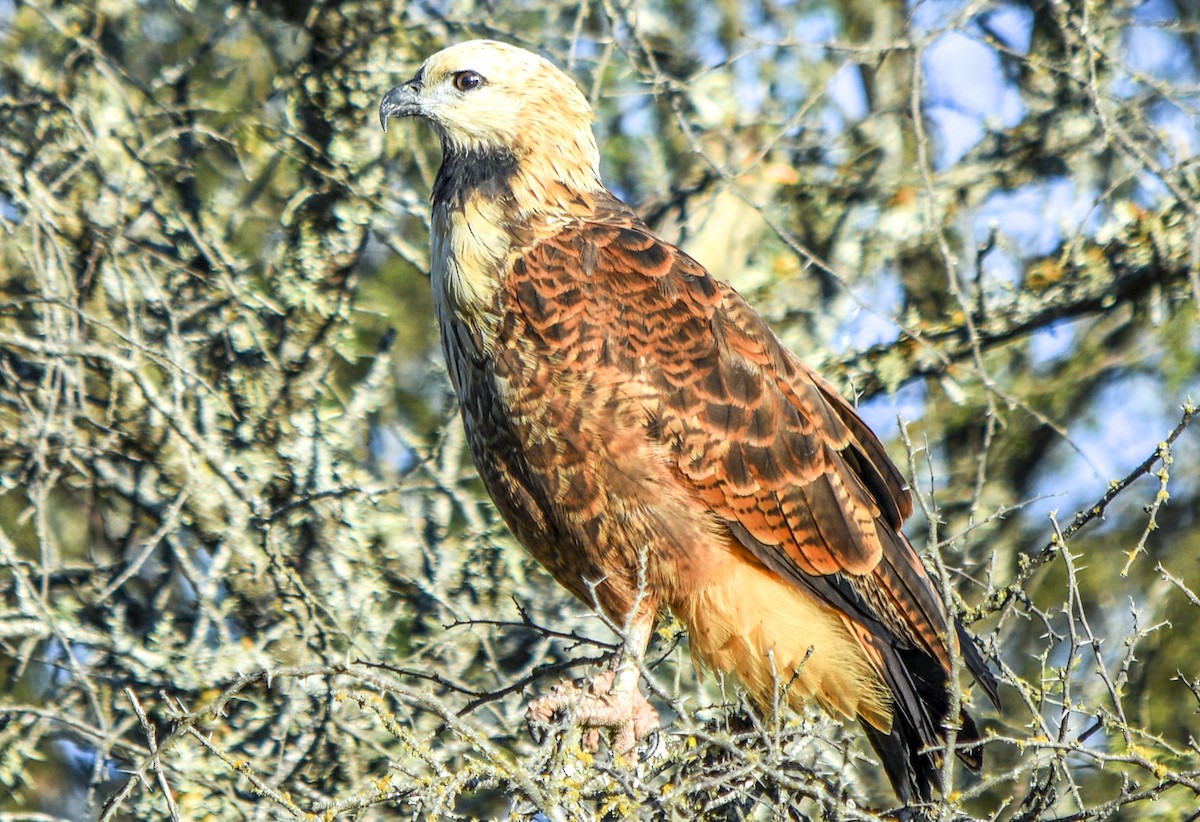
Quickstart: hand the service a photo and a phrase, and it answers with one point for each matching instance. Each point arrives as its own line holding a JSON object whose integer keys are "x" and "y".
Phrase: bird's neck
{"x": 532, "y": 183}
{"x": 467, "y": 174}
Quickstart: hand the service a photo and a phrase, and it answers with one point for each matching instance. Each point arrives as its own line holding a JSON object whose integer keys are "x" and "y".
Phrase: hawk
{"x": 653, "y": 444}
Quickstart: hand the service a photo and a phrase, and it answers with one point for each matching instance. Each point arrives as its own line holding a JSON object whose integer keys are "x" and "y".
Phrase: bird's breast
{"x": 469, "y": 249}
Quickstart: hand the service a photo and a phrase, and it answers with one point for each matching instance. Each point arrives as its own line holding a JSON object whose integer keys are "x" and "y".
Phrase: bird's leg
{"x": 612, "y": 701}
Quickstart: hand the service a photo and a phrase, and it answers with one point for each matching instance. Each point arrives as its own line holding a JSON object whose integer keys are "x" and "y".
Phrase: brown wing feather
{"x": 768, "y": 445}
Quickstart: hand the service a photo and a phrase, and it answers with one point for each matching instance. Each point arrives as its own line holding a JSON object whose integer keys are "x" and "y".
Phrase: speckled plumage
{"x": 648, "y": 438}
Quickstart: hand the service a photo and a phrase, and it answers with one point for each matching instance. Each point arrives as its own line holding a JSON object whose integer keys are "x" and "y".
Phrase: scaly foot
{"x": 610, "y": 702}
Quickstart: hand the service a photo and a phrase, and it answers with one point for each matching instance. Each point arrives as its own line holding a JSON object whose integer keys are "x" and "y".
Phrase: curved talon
{"x": 599, "y": 705}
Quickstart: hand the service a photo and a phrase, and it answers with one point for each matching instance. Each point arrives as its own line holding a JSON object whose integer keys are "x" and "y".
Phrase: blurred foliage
{"x": 246, "y": 569}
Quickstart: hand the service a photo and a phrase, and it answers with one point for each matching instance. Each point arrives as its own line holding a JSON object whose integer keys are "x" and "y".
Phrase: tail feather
{"x": 910, "y": 750}
{"x": 977, "y": 665}
{"x": 912, "y": 777}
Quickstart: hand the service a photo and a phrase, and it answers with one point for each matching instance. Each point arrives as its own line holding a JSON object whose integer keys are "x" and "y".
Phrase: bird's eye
{"x": 467, "y": 80}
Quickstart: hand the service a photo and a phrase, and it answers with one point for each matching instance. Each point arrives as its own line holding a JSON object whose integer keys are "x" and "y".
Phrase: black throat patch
{"x": 488, "y": 173}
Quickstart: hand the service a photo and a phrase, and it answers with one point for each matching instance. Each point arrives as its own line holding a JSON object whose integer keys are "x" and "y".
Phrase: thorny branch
{"x": 1030, "y": 564}
{"x": 229, "y": 462}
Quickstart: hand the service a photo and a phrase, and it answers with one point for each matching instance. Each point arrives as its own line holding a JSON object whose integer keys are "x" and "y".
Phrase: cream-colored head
{"x": 488, "y": 99}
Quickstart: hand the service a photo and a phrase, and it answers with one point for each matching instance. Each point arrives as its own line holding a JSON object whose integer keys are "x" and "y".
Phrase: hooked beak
{"x": 402, "y": 101}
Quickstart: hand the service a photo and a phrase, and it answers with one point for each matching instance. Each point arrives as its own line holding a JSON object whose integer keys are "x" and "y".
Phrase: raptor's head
{"x": 489, "y": 99}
